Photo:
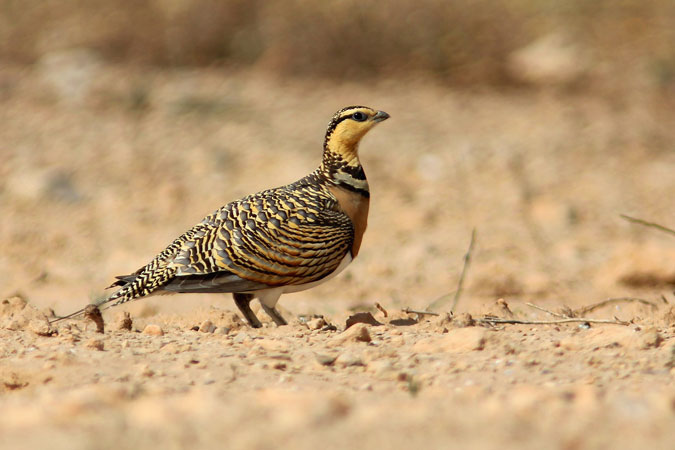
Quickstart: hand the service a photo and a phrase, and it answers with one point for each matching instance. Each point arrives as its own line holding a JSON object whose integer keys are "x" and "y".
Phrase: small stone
{"x": 444, "y": 320}
{"x": 325, "y": 360}
{"x": 12, "y": 305}
{"x": 207, "y": 327}
{"x": 72, "y": 336}
{"x": 500, "y": 308}
{"x": 668, "y": 317}
{"x": 146, "y": 371}
{"x": 170, "y": 348}
{"x": 349, "y": 359}
{"x": 124, "y": 321}
{"x": 41, "y": 328}
{"x": 222, "y": 330}
{"x": 316, "y": 324}
{"x": 241, "y": 337}
{"x": 226, "y": 319}
{"x": 153, "y": 330}
{"x": 463, "y": 320}
{"x": 190, "y": 360}
{"x": 13, "y": 325}
{"x": 94, "y": 344}
{"x": 11, "y": 380}
{"x": 356, "y": 333}
{"x": 650, "y": 338}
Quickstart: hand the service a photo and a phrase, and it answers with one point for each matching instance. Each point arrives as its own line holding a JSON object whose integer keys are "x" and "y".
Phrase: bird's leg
{"x": 268, "y": 300}
{"x": 274, "y": 314}
{"x": 243, "y": 303}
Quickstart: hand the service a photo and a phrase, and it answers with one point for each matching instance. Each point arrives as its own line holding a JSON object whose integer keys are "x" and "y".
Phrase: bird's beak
{"x": 380, "y": 116}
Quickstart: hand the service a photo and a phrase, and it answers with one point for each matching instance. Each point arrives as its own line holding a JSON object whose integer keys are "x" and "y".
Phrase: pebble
{"x": 226, "y": 319}
{"x": 444, "y": 321}
{"x": 463, "y": 320}
{"x": 14, "y": 325}
{"x": 241, "y": 337}
{"x": 349, "y": 359}
{"x": 41, "y": 327}
{"x": 207, "y": 327}
{"x": 325, "y": 360}
{"x": 650, "y": 338}
{"x": 95, "y": 344}
{"x": 356, "y": 333}
{"x": 124, "y": 322}
{"x": 316, "y": 324}
{"x": 146, "y": 371}
{"x": 11, "y": 305}
{"x": 153, "y": 330}
{"x": 170, "y": 348}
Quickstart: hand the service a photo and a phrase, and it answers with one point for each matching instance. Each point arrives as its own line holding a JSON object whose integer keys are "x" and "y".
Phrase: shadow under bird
{"x": 277, "y": 241}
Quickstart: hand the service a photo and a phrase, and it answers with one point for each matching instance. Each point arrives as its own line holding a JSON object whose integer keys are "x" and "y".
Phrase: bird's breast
{"x": 356, "y": 207}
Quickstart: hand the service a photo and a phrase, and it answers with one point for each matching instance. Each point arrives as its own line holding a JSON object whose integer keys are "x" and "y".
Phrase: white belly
{"x": 270, "y": 296}
{"x": 301, "y": 287}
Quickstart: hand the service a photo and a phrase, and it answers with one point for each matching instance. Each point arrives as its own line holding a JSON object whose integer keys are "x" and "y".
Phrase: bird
{"x": 277, "y": 241}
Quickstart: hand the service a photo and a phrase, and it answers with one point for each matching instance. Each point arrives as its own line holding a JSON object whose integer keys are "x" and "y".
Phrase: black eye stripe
{"x": 339, "y": 117}
{"x": 342, "y": 119}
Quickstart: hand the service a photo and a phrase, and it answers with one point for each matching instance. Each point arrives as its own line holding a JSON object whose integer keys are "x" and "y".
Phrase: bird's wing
{"x": 278, "y": 237}
{"x": 160, "y": 274}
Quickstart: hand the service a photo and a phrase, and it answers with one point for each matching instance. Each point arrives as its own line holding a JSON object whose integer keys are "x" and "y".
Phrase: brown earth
{"x": 96, "y": 177}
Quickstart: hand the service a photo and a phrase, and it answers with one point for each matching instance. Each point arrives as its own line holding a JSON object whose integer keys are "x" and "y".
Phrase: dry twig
{"x": 499, "y": 320}
{"x": 555, "y": 314}
{"x": 382, "y": 310}
{"x": 467, "y": 261}
{"x": 609, "y": 301}
{"x": 420, "y": 313}
{"x": 648, "y": 224}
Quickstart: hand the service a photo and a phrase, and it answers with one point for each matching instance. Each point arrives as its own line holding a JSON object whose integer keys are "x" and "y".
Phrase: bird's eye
{"x": 359, "y": 116}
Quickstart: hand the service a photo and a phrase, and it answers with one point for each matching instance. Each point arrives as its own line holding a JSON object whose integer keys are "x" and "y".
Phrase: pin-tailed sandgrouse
{"x": 281, "y": 240}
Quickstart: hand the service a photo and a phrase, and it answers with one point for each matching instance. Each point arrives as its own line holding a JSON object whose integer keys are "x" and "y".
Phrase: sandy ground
{"x": 94, "y": 181}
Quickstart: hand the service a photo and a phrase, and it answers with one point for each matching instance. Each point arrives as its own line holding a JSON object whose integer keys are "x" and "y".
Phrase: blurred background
{"x": 123, "y": 122}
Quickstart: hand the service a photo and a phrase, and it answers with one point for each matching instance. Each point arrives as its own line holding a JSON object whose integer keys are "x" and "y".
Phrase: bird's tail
{"x": 99, "y": 305}
{"x": 143, "y": 284}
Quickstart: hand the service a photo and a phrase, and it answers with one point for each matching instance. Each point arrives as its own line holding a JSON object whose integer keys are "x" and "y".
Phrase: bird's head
{"x": 350, "y": 124}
